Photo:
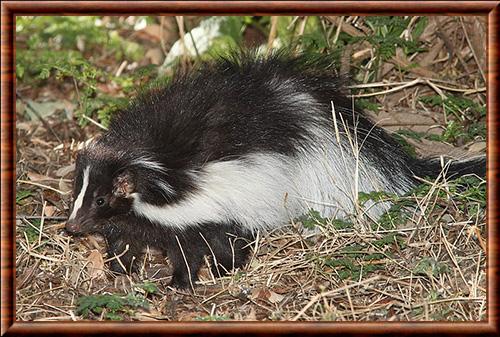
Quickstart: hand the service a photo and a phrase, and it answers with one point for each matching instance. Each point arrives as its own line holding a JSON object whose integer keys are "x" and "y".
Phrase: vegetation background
{"x": 422, "y": 78}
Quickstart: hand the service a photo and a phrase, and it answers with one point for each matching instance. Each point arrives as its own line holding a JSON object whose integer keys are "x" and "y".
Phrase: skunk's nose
{"x": 72, "y": 226}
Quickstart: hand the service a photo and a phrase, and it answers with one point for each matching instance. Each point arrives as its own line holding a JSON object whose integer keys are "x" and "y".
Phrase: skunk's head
{"x": 99, "y": 192}
{"x": 106, "y": 181}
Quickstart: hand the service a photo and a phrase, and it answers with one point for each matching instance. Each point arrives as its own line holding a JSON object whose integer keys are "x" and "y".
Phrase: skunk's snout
{"x": 72, "y": 227}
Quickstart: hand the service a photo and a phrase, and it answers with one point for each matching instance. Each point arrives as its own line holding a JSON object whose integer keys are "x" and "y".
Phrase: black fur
{"x": 224, "y": 110}
{"x": 228, "y": 246}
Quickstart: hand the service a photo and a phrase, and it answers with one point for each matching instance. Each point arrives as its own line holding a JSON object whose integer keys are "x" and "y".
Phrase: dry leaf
{"x": 64, "y": 187}
{"x": 50, "y": 210}
{"x": 478, "y": 147}
{"x": 155, "y": 55}
{"x": 267, "y": 295}
{"x": 476, "y": 232}
{"x": 275, "y": 297}
{"x": 260, "y": 293}
{"x": 252, "y": 316}
{"x": 38, "y": 177}
{"x": 402, "y": 61}
{"x": 404, "y": 119}
{"x": 96, "y": 264}
{"x": 151, "y": 32}
{"x": 65, "y": 170}
{"x": 44, "y": 109}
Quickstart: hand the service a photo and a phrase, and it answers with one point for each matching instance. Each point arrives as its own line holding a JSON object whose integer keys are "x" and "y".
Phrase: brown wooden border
{"x": 9, "y": 9}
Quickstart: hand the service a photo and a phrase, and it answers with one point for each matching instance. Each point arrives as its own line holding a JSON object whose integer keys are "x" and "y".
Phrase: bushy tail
{"x": 454, "y": 169}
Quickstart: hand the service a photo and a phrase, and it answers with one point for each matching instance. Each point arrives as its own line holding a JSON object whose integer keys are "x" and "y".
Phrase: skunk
{"x": 240, "y": 144}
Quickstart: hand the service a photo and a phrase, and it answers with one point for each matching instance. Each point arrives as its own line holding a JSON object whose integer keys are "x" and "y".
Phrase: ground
{"x": 424, "y": 260}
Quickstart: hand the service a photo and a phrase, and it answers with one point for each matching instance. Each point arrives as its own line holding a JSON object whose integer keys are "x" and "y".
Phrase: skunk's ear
{"x": 123, "y": 184}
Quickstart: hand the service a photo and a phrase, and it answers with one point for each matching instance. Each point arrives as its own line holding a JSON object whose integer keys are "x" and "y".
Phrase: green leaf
{"x": 22, "y": 194}
{"x": 419, "y": 27}
{"x": 148, "y": 287}
{"x": 430, "y": 267}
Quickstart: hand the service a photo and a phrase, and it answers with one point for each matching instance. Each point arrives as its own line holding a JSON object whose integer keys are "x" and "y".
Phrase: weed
{"x": 407, "y": 147}
{"x": 365, "y": 104}
{"x": 430, "y": 267}
{"x": 313, "y": 219}
{"x": 357, "y": 259}
{"x": 347, "y": 267}
{"x": 54, "y": 51}
{"x": 210, "y": 318}
{"x": 148, "y": 287}
{"x": 467, "y": 123}
{"x": 111, "y": 306}
{"x": 33, "y": 231}
{"x": 21, "y": 195}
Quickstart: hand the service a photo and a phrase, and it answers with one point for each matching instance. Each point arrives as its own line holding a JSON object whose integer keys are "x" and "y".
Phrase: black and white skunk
{"x": 241, "y": 144}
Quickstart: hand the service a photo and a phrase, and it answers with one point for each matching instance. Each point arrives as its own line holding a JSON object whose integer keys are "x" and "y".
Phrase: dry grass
{"x": 430, "y": 266}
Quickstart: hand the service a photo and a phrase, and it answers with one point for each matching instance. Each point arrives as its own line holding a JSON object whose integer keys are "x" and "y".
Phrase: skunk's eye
{"x": 99, "y": 201}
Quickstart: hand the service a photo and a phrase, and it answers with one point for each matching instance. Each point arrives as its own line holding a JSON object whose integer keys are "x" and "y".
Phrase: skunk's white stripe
{"x": 148, "y": 163}
{"x": 252, "y": 192}
{"x": 79, "y": 199}
{"x": 166, "y": 189}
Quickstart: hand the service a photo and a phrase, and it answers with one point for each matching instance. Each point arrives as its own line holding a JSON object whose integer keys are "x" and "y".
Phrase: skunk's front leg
{"x": 186, "y": 257}
{"x": 125, "y": 251}
{"x": 226, "y": 244}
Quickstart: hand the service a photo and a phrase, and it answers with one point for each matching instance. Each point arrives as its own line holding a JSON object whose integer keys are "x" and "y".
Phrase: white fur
{"x": 266, "y": 190}
{"x": 79, "y": 199}
{"x": 148, "y": 163}
{"x": 166, "y": 189}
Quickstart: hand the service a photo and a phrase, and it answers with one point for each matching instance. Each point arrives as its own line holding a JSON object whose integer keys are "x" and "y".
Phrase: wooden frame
{"x": 9, "y": 9}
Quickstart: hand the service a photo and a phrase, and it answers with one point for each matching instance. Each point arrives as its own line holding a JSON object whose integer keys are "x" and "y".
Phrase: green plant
{"x": 430, "y": 267}
{"x": 21, "y": 195}
{"x": 63, "y": 48}
{"x": 313, "y": 219}
{"x": 111, "y": 306}
{"x": 211, "y": 318}
{"x": 387, "y": 32}
{"x": 366, "y": 104}
{"x": 468, "y": 118}
{"x": 32, "y": 230}
{"x": 148, "y": 287}
{"x": 347, "y": 267}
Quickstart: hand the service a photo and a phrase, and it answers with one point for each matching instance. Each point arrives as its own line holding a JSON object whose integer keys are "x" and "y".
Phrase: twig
{"x": 453, "y": 258}
{"x": 472, "y": 299}
{"x": 43, "y": 186}
{"x": 186, "y": 262}
{"x": 330, "y": 293}
{"x": 163, "y": 44}
{"x": 472, "y": 49}
{"x": 272, "y": 33}
{"x": 302, "y": 26}
{"x": 190, "y": 32}
{"x": 182, "y": 34}
{"x": 42, "y": 221}
{"x": 95, "y": 123}
{"x": 433, "y": 80}
{"x": 407, "y": 84}
{"x": 36, "y": 217}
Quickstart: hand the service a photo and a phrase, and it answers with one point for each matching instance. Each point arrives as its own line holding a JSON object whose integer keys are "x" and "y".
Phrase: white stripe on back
{"x": 79, "y": 199}
{"x": 148, "y": 163}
